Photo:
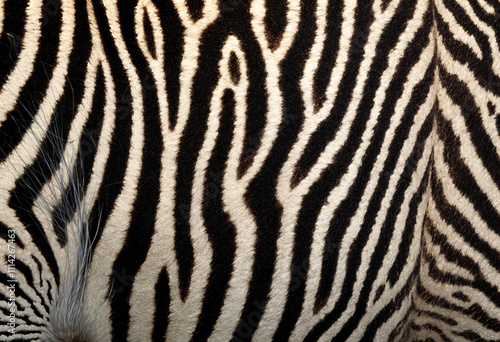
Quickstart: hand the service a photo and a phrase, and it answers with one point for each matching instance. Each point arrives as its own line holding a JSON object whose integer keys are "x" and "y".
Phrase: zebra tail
{"x": 64, "y": 200}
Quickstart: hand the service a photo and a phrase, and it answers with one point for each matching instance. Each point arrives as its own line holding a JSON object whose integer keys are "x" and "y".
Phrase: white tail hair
{"x": 64, "y": 200}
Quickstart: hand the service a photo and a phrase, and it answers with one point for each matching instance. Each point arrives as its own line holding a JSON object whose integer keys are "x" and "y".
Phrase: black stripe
{"x": 221, "y": 231}
{"x": 260, "y": 196}
{"x": 162, "y": 304}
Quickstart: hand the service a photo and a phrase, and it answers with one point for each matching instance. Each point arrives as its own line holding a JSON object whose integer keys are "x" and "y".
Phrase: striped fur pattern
{"x": 236, "y": 170}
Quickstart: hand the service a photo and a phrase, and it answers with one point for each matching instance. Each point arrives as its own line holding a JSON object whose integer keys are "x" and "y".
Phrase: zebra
{"x": 250, "y": 170}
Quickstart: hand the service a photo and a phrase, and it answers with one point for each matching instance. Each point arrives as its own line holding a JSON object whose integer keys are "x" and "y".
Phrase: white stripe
{"x": 2, "y": 16}
{"x": 11, "y": 89}
{"x": 234, "y": 204}
{"x": 272, "y": 59}
{"x": 97, "y": 283}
